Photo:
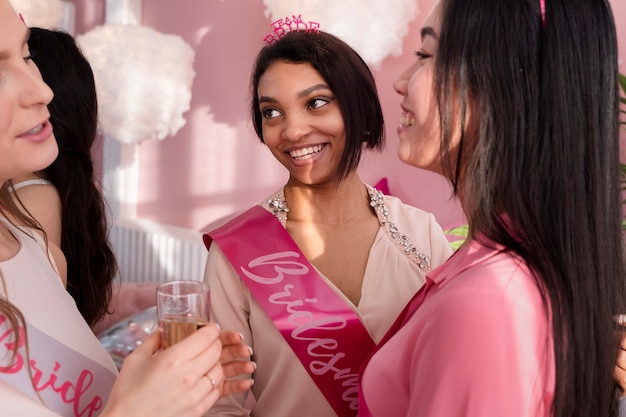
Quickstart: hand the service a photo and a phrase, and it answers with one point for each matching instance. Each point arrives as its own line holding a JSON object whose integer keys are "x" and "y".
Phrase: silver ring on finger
{"x": 213, "y": 382}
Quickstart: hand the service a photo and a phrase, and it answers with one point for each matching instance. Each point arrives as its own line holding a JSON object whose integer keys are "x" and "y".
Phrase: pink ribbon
{"x": 321, "y": 328}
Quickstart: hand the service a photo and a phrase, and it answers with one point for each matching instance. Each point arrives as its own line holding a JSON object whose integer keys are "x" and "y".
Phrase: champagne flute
{"x": 182, "y": 308}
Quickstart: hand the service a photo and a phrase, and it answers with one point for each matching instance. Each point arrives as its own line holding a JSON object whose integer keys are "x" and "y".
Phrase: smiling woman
{"x": 347, "y": 256}
{"x": 526, "y": 131}
{"x": 51, "y": 364}
{"x": 26, "y": 141}
{"x": 295, "y": 102}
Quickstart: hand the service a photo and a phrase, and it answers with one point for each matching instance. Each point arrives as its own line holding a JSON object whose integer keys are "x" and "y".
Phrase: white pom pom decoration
{"x": 46, "y": 14}
{"x": 374, "y": 28}
{"x": 143, "y": 79}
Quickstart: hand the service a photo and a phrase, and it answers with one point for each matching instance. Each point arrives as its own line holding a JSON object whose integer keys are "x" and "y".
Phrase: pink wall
{"x": 215, "y": 166}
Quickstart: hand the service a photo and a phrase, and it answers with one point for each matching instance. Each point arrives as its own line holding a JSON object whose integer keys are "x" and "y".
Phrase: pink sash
{"x": 323, "y": 331}
{"x": 65, "y": 380}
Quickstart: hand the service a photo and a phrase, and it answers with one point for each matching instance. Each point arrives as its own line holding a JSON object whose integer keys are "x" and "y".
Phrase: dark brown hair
{"x": 347, "y": 75}
{"x": 91, "y": 263}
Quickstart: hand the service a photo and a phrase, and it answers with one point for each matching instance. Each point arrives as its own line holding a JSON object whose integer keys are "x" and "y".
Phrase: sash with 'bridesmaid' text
{"x": 320, "y": 327}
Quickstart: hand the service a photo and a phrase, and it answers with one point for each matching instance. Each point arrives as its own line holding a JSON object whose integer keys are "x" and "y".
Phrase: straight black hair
{"x": 538, "y": 165}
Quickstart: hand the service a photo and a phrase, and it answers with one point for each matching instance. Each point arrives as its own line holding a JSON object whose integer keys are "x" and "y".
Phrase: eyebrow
{"x": 5, "y": 54}
{"x": 312, "y": 89}
{"x": 300, "y": 95}
{"x": 429, "y": 31}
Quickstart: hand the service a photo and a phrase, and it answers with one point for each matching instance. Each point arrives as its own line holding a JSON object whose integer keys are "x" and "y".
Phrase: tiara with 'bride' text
{"x": 290, "y": 24}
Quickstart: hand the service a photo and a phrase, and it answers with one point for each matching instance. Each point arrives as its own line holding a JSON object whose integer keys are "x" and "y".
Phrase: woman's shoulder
{"x": 34, "y": 251}
{"x": 20, "y": 233}
{"x": 413, "y": 222}
{"x": 414, "y": 230}
{"x": 41, "y": 200}
{"x": 396, "y": 205}
{"x": 490, "y": 271}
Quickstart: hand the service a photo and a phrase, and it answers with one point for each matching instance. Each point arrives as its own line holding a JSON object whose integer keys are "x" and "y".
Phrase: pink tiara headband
{"x": 290, "y": 24}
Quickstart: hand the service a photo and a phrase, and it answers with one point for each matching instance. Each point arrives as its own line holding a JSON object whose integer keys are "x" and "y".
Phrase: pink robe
{"x": 479, "y": 345}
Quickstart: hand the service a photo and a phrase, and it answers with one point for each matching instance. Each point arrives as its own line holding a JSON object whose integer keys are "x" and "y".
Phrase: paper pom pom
{"x": 374, "y": 28}
{"x": 46, "y": 14}
{"x": 143, "y": 79}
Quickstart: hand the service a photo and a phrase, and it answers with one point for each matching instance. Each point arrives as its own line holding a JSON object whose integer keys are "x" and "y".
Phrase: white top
{"x": 34, "y": 287}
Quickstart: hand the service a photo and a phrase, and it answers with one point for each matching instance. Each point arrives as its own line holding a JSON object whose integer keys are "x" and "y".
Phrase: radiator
{"x": 151, "y": 252}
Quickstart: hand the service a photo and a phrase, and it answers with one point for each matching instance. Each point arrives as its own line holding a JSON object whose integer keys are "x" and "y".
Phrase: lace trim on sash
{"x": 278, "y": 207}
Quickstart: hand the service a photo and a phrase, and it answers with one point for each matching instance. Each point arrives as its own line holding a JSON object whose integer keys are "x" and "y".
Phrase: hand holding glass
{"x": 182, "y": 308}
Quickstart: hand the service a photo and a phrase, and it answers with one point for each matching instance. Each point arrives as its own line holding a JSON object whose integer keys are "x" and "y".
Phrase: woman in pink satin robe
{"x": 515, "y": 102}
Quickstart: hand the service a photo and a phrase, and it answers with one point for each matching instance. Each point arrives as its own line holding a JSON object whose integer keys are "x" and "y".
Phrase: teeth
{"x": 36, "y": 130}
{"x": 306, "y": 153}
{"x": 407, "y": 120}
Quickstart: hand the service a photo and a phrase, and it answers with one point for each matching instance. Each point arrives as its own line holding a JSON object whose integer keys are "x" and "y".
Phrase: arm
{"x": 173, "y": 382}
{"x": 229, "y": 309}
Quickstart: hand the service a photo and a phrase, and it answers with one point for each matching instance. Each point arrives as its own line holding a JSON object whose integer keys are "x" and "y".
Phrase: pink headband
{"x": 542, "y": 5}
{"x": 289, "y": 24}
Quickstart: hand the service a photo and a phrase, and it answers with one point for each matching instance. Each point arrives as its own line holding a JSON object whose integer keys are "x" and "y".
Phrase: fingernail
{"x": 253, "y": 363}
{"x": 218, "y": 326}
{"x": 240, "y": 335}
{"x": 250, "y": 349}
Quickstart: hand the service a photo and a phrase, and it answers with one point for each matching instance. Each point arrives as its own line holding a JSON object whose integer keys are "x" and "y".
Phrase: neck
{"x": 31, "y": 176}
{"x": 331, "y": 204}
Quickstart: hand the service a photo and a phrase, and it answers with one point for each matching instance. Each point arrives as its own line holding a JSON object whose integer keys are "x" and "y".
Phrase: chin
{"x": 45, "y": 159}
{"x": 413, "y": 160}
{"x": 404, "y": 154}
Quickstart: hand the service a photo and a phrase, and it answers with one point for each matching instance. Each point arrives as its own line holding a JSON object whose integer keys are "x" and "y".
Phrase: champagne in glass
{"x": 176, "y": 328}
{"x": 182, "y": 308}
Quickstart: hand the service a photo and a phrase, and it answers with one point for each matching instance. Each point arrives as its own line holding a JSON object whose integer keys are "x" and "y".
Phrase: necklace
{"x": 278, "y": 206}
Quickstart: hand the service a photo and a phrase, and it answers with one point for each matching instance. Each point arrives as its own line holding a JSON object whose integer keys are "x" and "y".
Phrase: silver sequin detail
{"x": 402, "y": 241}
{"x": 278, "y": 206}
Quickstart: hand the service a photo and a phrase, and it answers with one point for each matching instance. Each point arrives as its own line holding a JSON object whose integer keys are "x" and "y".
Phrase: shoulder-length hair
{"x": 347, "y": 75}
